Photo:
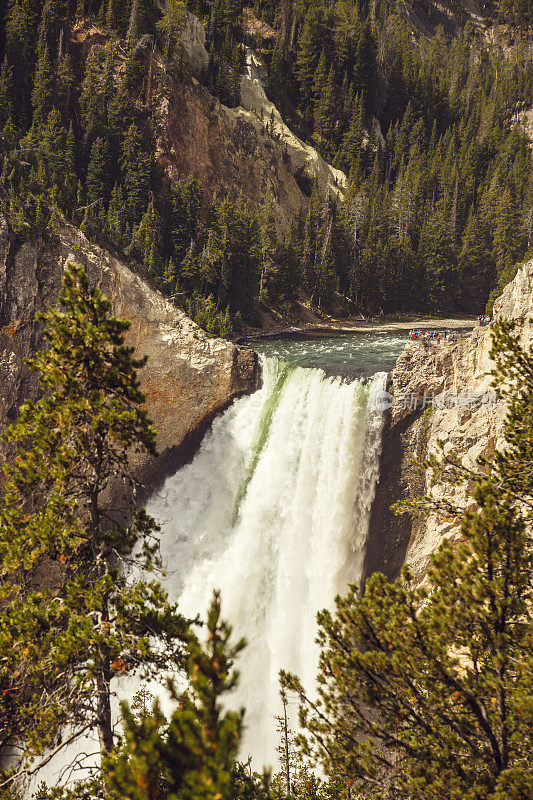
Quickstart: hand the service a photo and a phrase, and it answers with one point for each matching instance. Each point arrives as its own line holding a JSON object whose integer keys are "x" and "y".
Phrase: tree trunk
{"x": 133, "y": 19}
{"x": 286, "y": 737}
{"x": 103, "y": 708}
{"x": 286, "y": 26}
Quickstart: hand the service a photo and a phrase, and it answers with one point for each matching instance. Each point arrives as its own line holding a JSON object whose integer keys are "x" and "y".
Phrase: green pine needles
{"x": 192, "y": 756}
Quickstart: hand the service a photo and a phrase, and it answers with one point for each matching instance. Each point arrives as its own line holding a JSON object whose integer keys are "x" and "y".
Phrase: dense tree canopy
{"x": 439, "y": 204}
{"x": 74, "y": 614}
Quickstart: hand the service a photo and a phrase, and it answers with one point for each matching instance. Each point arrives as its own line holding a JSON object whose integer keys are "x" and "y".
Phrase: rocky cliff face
{"x": 226, "y": 148}
{"x": 426, "y": 15}
{"x": 460, "y": 410}
{"x": 304, "y": 159}
{"x": 248, "y": 148}
{"x": 188, "y": 378}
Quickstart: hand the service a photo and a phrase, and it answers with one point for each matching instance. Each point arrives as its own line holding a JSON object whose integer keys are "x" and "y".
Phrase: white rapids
{"x": 273, "y": 511}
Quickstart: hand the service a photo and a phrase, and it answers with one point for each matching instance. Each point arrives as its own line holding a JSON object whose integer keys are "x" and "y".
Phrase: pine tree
{"x": 190, "y": 269}
{"x": 310, "y": 233}
{"x": 276, "y": 71}
{"x": 119, "y": 110}
{"x": 6, "y": 93}
{"x": 319, "y": 82}
{"x": 365, "y": 62}
{"x": 507, "y": 234}
{"x": 173, "y": 21}
{"x": 97, "y": 189}
{"x": 225, "y": 325}
{"x": 249, "y": 785}
{"x": 136, "y": 167}
{"x": 69, "y": 188}
{"x": 53, "y": 153}
{"x": 349, "y": 154}
{"x": 435, "y": 253}
{"x": 92, "y": 110}
{"x": 170, "y": 283}
{"x": 325, "y": 278}
{"x": 62, "y": 644}
{"x": 98, "y": 172}
{"x": 476, "y": 266}
{"x": 108, "y": 81}
{"x": 146, "y": 241}
{"x": 115, "y": 224}
{"x": 289, "y": 272}
{"x": 326, "y": 113}
{"x": 186, "y": 204}
{"x": 141, "y": 15}
{"x": 309, "y": 49}
{"x": 42, "y": 97}
{"x": 194, "y": 753}
{"x": 112, "y": 15}
{"x": 64, "y": 86}
{"x": 268, "y": 244}
{"x": 285, "y": 749}
{"x": 21, "y": 27}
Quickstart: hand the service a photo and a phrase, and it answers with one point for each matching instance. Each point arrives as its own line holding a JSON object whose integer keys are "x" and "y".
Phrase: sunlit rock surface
{"x": 304, "y": 159}
{"x": 460, "y": 410}
{"x": 188, "y": 377}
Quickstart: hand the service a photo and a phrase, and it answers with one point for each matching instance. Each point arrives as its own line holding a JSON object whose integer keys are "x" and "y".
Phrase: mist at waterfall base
{"x": 273, "y": 511}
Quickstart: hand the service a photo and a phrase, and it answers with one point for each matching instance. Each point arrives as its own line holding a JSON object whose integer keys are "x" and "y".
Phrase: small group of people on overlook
{"x": 438, "y": 336}
{"x": 426, "y": 335}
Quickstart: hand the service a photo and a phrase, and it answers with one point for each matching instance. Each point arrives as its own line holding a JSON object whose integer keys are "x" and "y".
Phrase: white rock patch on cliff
{"x": 303, "y": 156}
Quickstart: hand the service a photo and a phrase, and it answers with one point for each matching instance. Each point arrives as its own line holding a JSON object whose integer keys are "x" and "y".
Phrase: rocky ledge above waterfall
{"x": 441, "y": 392}
{"x": 188, "y": 377}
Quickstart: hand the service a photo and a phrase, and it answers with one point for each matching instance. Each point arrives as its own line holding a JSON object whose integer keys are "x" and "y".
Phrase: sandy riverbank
{"x": 361, "y": 326}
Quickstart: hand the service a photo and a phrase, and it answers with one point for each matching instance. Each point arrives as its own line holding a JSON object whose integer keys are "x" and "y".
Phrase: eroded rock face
{"x": 188, "y": 378}
{"x": 304, "y": 158}
{"x": 226, "y": 148}
{"x": 471, "y": 426}
{"x": 193, "y": 43}
{"x": 253, "y": 160}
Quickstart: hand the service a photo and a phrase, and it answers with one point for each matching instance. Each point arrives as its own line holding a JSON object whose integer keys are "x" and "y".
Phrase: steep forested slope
{"x": 423, "y": 119}
{"x": 440, "y": 174}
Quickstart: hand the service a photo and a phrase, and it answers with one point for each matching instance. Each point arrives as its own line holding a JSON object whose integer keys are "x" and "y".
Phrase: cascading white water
{"x": 273, "y": 511}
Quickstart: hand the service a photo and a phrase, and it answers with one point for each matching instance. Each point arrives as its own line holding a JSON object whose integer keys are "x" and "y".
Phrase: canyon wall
{"x": 188, "y": 378}
{"x": 248, "y": 148}
{"x": 305, "y": 161}
{"x": 460, "y": 410}
{"x": 227, "y": 149}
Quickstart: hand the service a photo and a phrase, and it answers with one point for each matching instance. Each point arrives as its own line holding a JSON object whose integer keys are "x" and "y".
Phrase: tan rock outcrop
{"x": 251, "y": 117}
{"x": 226, "y": 148}
{"x": 188, "y": 377}
{"x": 452, "y": 383}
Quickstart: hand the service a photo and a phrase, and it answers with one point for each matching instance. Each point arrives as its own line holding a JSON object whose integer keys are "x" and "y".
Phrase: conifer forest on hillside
{"x": 438, "y": 206}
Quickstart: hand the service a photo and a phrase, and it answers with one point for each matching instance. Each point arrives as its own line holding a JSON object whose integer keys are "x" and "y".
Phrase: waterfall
{"x": 273, "y": 511}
